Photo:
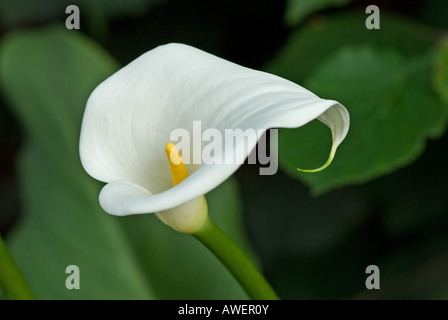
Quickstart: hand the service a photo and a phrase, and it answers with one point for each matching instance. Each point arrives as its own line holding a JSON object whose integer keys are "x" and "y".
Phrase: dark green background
{"x": 383, "y": 201}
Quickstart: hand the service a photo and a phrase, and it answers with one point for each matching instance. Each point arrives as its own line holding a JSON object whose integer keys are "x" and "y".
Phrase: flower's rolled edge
{"x": 337, "y": 119}
{"x": 118, "y": 198}
{"x": 124, "y": 198}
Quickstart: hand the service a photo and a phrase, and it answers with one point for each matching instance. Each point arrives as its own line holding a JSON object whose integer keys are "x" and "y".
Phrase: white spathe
{"x": 129, "y": 118}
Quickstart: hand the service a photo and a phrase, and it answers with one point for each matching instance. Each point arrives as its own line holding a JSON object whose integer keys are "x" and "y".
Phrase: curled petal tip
{"x": 326, "y": 164}
{"x": 314, "y": 170}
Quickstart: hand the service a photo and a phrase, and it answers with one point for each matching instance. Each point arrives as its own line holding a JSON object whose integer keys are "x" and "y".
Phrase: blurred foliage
{"x": 382, "y": 201}
{"x": 387, "y": 90}
{"x": 297, "y": 10}
{"x": 96, "y": 14}
{"x": 310, "y": 45}
{"x": 441, "y": 72}
{"x": 14, "y": 13}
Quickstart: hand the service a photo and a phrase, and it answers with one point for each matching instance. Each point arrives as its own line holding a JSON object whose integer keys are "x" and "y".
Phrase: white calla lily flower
{"x": 130, "y": 116}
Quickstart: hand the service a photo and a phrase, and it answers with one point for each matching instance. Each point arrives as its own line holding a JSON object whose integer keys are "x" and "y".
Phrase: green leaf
{"x": 440, "y": 77}
{"x": 315, "y": 42}
{"x": 179, "y": 266}
{"x": 47, "y": 76}
{"x": 393, "y": 111}
{"x": 64, "y": 225}
{"x": 298, "y": 10}
{"x": 403, "y": 59}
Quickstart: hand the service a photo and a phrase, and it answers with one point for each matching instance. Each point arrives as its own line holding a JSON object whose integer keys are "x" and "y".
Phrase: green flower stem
{"x": 236, "y": 261}
{"x": 12, "y": 281}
